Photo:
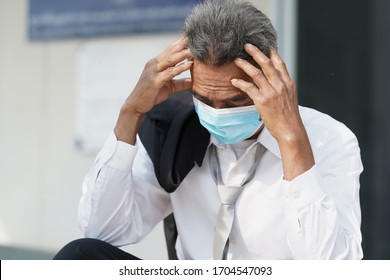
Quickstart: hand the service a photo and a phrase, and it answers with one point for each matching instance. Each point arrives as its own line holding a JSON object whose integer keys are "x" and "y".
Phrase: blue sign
{"x": 59, "y": 19}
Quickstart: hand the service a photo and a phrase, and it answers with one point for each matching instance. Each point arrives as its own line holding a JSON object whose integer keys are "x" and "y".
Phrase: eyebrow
{"x": 201, "y": 97}
{"x": 236, "y": 98}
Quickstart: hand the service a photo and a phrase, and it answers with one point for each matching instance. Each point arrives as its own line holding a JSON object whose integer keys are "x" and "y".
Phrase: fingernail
{"x": 233, "y": 81}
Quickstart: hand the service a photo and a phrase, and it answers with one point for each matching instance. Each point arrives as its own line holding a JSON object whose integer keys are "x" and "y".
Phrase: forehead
{"x": 212, "y": 85}
{"x": 216, "y": 76}
{"x": 213, "y": 82}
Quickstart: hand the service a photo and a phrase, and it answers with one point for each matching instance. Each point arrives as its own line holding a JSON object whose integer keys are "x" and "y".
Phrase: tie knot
{"x": 229, "y": 194}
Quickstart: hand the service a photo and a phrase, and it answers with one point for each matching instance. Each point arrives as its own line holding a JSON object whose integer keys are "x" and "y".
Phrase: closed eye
{"x": 201, "y": 98}
{"x": 233, "y": 101}
{"x": 239, "y": 100}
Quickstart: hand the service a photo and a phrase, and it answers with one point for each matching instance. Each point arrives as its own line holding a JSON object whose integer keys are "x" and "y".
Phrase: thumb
{"x": 182, "y": 84}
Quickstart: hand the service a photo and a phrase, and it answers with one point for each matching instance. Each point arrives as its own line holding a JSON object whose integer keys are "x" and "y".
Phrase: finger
{"x": 166, "y": 60}
{"x": 247, "y": 87}
{"x": 256, "y": 74}
{"x": 182, "y": 84}
{"x": 169, "y": 56}
{"x": 264, "y": 62}
{"x": 280, "y": 65}
{"x": 176, "y": 46}
{"x": 180, "y": 43}
{"x": 171, "y": 72}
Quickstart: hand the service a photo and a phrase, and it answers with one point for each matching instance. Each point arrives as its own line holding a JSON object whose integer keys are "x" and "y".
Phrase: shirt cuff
{"x": 304, "y": 189}
{"x": 123, "y": 156}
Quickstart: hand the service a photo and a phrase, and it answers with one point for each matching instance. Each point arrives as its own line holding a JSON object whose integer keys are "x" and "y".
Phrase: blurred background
{"x": 66, "y": 66}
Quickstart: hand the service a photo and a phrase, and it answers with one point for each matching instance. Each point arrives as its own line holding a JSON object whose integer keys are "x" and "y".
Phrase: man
{"x": 277, "y": 181}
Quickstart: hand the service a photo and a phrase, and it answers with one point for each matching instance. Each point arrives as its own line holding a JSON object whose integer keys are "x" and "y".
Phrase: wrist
{"x": 127, "y": 125}
{"x": 297, "y": 154}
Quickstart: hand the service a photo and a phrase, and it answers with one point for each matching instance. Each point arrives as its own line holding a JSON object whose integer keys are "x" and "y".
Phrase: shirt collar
{"x": 269, "y": 142}
{"x": 265, "y": 138}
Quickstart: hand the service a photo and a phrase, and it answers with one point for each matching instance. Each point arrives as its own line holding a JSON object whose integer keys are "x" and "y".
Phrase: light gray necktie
{"x": 228, "y": 196}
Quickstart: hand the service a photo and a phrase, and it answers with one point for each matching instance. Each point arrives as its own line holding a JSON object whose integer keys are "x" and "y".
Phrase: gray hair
{"x": 218, "y": 29}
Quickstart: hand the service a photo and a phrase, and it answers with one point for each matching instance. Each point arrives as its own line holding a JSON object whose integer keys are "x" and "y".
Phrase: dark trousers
{"x": 92, "y": 249}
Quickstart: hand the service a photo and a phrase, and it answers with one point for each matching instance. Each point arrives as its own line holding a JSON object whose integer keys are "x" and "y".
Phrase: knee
{"x": 80, "y": 249}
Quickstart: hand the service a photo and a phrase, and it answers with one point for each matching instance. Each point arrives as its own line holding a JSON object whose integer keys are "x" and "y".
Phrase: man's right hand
{"x": 154, "y": 86}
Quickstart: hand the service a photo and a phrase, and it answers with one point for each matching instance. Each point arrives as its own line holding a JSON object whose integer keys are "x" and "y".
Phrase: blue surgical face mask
{"x": 229, "y": 125}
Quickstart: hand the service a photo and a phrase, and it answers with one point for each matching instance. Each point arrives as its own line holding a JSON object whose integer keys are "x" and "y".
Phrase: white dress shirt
{"x": 315, "y": 216}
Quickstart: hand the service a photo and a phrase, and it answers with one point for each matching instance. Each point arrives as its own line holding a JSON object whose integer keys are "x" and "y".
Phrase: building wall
{"x": 40, "y": 169}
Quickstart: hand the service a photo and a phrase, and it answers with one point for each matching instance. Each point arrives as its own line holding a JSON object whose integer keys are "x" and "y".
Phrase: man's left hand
{"x": 274, "y": 94}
